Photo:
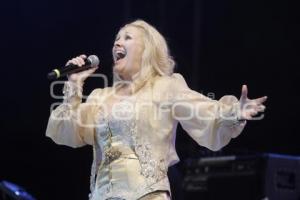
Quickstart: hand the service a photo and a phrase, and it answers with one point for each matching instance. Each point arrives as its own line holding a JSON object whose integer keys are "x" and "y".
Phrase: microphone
{"x": 90, "y": 62}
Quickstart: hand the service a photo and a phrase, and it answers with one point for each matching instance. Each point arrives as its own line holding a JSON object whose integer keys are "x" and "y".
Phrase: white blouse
{"x": 134, "y": 143}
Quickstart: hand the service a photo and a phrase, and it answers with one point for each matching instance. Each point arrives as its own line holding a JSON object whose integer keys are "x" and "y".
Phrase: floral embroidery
{"x": 71, "y": 90}
{"x": 112, "y": 154}
{"x": 62, "y": 112}
{"x": 153, "y": 170}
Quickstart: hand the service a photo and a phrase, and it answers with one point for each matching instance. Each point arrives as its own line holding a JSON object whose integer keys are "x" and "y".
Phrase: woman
{"x": 132, "y": 124}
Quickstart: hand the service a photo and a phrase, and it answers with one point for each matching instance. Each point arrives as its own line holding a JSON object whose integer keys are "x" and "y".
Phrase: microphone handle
{"x": 69, "y": 69}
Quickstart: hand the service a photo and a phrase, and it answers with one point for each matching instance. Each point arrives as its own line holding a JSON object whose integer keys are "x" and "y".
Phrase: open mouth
{"x": 119, "y": 54}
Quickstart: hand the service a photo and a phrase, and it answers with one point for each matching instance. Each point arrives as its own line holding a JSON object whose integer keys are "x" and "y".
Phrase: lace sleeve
{"x": 67, "y": 123}
{"x": 210, "y": 123}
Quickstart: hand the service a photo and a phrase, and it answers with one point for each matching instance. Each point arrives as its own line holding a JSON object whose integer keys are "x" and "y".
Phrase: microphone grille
{"x": 94, "y": 60}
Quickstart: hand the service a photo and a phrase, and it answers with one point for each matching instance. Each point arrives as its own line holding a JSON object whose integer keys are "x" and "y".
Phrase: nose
{"x": 118, "y": 43}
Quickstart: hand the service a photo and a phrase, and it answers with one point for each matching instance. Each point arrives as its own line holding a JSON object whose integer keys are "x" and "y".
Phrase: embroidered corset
{"x": 123, "y": 165}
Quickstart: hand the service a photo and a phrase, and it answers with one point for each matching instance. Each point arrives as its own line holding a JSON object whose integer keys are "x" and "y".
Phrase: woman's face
{"x": 127, "y": 52}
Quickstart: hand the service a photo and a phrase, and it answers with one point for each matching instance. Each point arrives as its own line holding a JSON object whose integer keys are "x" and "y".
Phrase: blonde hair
{"x": 156, "y": 59}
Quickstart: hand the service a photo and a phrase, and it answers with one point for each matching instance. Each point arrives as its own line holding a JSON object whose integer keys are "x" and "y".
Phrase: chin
{"x": 118, "y": 70}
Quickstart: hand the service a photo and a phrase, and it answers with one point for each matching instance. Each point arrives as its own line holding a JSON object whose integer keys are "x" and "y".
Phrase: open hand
{"x": 250, "y": 107}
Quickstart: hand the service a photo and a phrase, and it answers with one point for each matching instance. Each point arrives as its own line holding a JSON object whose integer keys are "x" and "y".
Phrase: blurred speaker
{"x": 252, "y": 177}
{"x": 10, "y": 191}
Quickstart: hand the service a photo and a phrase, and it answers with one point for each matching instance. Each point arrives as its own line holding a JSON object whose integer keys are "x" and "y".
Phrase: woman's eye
{"x": 127, "y": 37}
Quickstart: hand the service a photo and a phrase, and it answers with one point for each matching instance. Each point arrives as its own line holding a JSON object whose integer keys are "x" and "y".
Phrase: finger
{"x": 92, "y": 70}
{"x": 261, "y": 100}
{"x": 247, "y": 116}
{"x": 83, "y": 56}
{"x": 252, "y": 113}
{"x": 69, "y": 61}
{"x": 260, "y": 108}
{"x": 73, "y": 61}
{"x": 89, "y": 71}
{"x": 244, "y": 92}
{"x": 80, "y": 61}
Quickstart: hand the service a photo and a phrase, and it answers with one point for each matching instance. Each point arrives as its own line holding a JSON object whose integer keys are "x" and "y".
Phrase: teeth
{"x": 119, "y": 51}
{"x": 119, "y": 54}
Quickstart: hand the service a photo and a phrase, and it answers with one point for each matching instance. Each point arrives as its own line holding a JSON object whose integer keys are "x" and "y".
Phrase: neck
{"x": 132, "y": 84}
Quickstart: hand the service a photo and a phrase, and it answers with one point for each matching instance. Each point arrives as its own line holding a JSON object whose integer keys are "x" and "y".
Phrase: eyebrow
{"x": 126, "y": 32}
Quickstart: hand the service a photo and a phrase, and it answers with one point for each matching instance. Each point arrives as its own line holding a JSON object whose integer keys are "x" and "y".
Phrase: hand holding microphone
{"x": 77, "y": 69}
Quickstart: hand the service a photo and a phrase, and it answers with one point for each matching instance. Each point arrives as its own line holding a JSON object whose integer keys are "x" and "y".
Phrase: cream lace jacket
{"x": 156, "y": 109}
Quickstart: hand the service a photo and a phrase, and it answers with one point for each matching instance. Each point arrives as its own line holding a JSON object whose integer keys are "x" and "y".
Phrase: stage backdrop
{"x": 218, "y": 46}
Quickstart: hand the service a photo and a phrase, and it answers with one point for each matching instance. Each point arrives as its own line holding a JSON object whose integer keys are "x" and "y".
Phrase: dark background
{"x": 218, "y": 46}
